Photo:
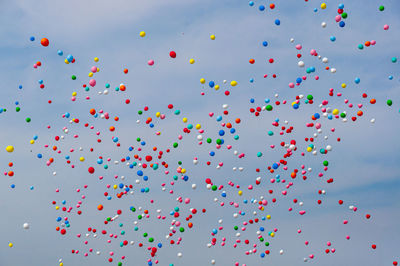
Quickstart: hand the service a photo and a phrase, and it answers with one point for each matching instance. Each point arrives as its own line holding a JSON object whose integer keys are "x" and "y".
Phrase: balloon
{"x": 172, "y": 54}
{"x": 10, "y": 148}
{"x": 44, "y": 42}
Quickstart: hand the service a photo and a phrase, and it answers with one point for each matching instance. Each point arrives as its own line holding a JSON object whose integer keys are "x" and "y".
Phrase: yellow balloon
{"x": 10, "y": 245}
{"x": 66, "y": 61}
{"x": 268, "y": 217}
{"x": 202, "y": 81}
{"x": 142, "y": 34}
{"x": 216, "y": 87}
{"x": 90, "y": 74}
{"x": 191, "y": 61}
{"x": 212, "y": 37}
{"x": 323, "y": 5}
{"x": 81, "y": 159}
{"x": 32, "y": 141}
{"x": 96, "y": 59}
{"x": 74, "y": 93}
{"x": 335, "y": 111}
{"x": 10, "y": 148}
{"x": 233, "y": 83}
{"x": 344, "y": 85}
{"x": 158, "y": 114}
{"x": 240, "y": 193}
{"x": 184, "y": 120}
{"x": 198, "y": 126}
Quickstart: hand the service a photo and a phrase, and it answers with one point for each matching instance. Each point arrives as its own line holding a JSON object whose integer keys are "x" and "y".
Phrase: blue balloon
{"x": 221, "y": 132}
{"x": 357, "y": 80}
{"x": 261, "y": 8}
{"x": 211, "y": 84}
{"x": 265, "y": 43}
{"x": 333, "y": 38}
{"x": 251, "y": 3}
{"x": 277, "y": 22}
{"x": 60, "y": 53}
{"x": 32, "y": 38}
{"x": 299, "y": 80}
{"x": 295, "y": 106}
{"x": 342, "y": 24}
{"x": 70, "y": 58}
{"x": 341, "y": 6}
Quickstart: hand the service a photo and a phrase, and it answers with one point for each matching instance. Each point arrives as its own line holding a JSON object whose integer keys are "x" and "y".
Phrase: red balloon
{"x": 44, "y": 42}
{"x": 149, "y": 158}
{"x": 91, "y": 170}
{"x": 172, "y": 54}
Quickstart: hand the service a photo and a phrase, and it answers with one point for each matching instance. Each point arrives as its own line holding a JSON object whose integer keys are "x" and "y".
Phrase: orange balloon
{"x": 44, "y": 42}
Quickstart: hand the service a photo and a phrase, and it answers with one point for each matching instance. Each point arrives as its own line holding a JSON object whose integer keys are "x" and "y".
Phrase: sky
{"x": 365, "y": 164}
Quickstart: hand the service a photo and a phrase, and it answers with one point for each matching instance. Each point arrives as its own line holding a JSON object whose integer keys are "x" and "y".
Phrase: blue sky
{"x": 364, "y": 165}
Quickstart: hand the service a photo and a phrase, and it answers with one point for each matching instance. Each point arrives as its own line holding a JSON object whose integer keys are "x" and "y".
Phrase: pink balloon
{"x": 92, "y": 82}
